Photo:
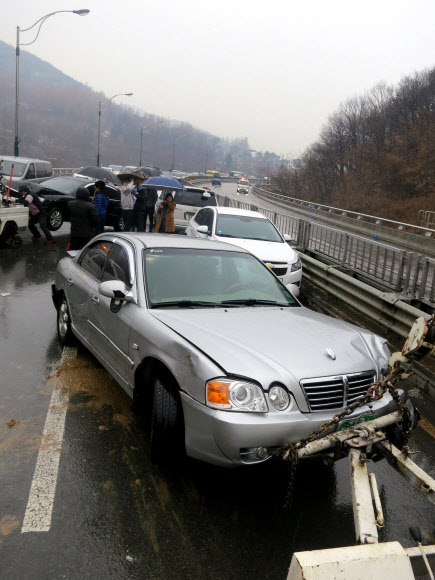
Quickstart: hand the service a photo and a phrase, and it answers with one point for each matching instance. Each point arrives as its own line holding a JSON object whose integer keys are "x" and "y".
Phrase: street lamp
{"x": 173, "y": 149}
{"x": 82, "y": 12}
{"x": 99, "y": 119}
{"x": 142, "y": 129}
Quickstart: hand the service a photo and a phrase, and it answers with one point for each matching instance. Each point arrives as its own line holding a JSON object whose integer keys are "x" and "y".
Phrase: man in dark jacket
{"x": 84, "y": 219}
{"x": 37, "y": 214}
{"x": 150, "y": 203}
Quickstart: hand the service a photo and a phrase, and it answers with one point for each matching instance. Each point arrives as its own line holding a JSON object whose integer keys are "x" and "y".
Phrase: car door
{"x": 80, "y": 286}
{"x": 111, "y": 330}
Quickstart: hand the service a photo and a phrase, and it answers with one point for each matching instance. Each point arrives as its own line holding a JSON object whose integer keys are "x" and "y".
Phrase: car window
{"x": 193, "y": 198}
{"x": 208, "y": 221}
{"x": 200, "y": 217}
{"x": 43, "y": 169}
{"x": 94, "y": 257}
{"x": 175, "y": 274}
{"x": 19, "y": 168}
{"x": 31, "y": 172}
{"x": 246, "y": 227}
{"x": 117, "y": 266}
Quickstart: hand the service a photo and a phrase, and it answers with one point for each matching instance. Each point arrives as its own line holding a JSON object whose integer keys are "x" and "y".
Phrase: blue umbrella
{"x": 163, "y": 181}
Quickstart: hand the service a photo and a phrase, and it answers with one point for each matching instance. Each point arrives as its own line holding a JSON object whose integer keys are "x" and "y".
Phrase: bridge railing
{"x": 64, "y": 171}
{"x": 361, "y": 217}
{"x": 410, "y": 274}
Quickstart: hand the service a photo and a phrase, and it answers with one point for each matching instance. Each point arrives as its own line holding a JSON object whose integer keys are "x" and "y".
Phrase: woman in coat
{"x": 165, "y": 216}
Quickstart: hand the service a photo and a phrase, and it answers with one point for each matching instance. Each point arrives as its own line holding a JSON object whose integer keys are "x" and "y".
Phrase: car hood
{"x": 261, "y": 342}
{"x": 265, "y": 251}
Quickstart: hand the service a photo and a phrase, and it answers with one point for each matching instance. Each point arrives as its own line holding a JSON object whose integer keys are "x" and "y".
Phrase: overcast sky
{"x": 272, "y": 71}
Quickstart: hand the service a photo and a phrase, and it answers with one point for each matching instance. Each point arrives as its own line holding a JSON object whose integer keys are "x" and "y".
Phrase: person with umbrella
{"x": 101, "y": 201}
{"x": 165, "y": 221}
{"x": 128, "y": 199}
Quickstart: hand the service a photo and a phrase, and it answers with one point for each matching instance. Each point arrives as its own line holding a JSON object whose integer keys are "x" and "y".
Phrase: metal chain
{"x": 289, "y": 452}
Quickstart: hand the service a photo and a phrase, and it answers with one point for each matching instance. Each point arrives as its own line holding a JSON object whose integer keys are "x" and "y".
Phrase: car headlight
{"x": 296, "y": 265}
{"x": 235, "y": 395}
{"x": 279, "y": 398}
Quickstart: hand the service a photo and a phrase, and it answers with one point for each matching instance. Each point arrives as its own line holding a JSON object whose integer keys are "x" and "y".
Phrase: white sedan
{"x": 252, "y": 231}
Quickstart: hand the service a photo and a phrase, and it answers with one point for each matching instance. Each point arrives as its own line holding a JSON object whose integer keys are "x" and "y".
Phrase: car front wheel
{"x": 64, "y": 331}
{"x": 119, "y": 224}
{"x": 167, "y": 430}
{"x": 55, "y": 219}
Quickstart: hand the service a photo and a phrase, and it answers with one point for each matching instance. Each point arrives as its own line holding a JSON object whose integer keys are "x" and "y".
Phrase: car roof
{"x": 23, "y": 159}
{"x": 152, "y": 240}
{"x": 237, "y": 211}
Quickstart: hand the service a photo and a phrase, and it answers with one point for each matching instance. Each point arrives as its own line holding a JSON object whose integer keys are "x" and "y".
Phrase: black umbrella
{"x": 99, "y": 173}
{"x": 150, "y": 171}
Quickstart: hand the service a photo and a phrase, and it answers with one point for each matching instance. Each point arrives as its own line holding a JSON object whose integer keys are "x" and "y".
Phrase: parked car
{"x": 212, "y": 345}
{"x": 25, "y": 168}
{"x": 188, "y": 201}
{"x": 216, "y": 181}
{"x": 115, "y": 168}
{"x": 252, "y": 231}
{"x": 58, "y": 191}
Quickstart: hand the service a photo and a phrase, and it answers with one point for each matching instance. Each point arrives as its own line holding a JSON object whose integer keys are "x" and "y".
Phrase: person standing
{"x": 151, "y": 200}
{"x": 37, "y": 214}
{"x": 165, "y": 221}
{"x": 128, "y": 199}
{"x": 139, "y": 210}
{"x": 101, "y": 201}
{"x": 84, "y": 219}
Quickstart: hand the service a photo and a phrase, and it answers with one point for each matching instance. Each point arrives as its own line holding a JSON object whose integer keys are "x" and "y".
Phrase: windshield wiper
{"x": 187, "y": 304}
{"x": 255, "y": 301}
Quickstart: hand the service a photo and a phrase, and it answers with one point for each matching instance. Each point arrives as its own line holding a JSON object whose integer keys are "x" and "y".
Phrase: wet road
{"x": 116, "y": 515}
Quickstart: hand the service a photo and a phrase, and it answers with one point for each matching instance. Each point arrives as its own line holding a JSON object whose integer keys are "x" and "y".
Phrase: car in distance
{"x": 25, "y": 168}
{"x": 56, "y": 192}
{"x": 252, "y": 231}
{"x": 212, "y": 345}
{"x": 243, "y": 186}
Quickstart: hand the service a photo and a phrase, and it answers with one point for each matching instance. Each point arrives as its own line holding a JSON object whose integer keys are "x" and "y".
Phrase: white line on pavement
{"x": 41, "y": 499}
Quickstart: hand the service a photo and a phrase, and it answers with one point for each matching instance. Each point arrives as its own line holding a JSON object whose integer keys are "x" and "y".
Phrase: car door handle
{"x": 95, "y": 299}
{"x": 70, "y": 281}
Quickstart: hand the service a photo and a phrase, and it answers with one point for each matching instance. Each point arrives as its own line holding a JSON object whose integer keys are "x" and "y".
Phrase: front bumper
{"x": 222, "y": 437}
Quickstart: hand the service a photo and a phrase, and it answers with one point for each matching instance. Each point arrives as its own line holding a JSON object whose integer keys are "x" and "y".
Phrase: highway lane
{"x": 115, "y": 514}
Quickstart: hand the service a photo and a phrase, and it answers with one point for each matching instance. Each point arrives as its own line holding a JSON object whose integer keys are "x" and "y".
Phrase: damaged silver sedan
{"x": 208, "y": 341}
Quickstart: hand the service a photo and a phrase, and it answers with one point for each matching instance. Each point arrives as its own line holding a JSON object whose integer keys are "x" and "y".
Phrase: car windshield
{"x": 246, "y": 227}
{"x": 194, "y": 198}
{"x": 65, "y": 185}
{"x": 185, "y": 277}
{"x": 19, "y": 168}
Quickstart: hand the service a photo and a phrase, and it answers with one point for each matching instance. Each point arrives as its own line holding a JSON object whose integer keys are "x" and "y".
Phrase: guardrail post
{"x": 422, "y": 289}
{"x": 226, "y": 202}
{"x": 409, "y": 256}
{"x": 345, "y": 248}
{"x": 274, "y": 218}
{"x": 399, "y": 285}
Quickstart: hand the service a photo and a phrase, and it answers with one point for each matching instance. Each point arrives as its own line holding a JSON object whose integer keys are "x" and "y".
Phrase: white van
{"x": 25, "y": 168}
{"x": 188, "y": 201}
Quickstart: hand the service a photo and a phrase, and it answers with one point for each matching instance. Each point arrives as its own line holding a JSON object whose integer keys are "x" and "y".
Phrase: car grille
{"x": 277, "y": 271}
{"x": 329, "y": 393}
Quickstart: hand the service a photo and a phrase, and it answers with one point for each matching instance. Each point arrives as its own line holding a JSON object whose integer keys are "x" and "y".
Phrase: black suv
{"x": 58, "y": 191}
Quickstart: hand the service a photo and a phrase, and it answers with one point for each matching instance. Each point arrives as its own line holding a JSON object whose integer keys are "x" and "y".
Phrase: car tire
{"x": 8, "y": 235}
{"x": 118, "y": 225}
{"x": 54, "y": 219}
{"x": 64, "y": 330}
{"x": 167, "y": 430}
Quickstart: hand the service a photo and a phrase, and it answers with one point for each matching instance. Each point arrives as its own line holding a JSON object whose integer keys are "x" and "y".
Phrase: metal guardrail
{"x": 412, "y": 275}
{"x": 411, "y": 228}
{"x": 64, "y": 170}
{"x": 426, "y": 219}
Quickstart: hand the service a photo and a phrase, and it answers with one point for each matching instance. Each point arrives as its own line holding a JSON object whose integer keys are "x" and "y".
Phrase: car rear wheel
{"x": 7, "y": 237}
{"x": 55, "y": 219}
{"x": 64, "y": 331}
{"x": 167, "y": 429}
{"x": 118, "y": 225}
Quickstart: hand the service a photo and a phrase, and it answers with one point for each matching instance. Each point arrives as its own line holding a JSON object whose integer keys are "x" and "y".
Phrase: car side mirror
{"x": 204, "y": 230}
{"x": 288, "y": 238}
{"x": 294, "y": 289}
{"x": 117, "y": 291}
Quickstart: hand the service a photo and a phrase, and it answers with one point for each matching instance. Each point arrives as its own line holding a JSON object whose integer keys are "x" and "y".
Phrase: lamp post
{"x": 99, "y": 119}
{"x": 142, "y": 129}
{"x": 173, "y": 149}
{"x": 82, "y": 12}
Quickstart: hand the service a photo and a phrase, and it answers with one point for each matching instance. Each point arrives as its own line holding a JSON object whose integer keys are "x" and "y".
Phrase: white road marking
{"x": 41, "y": 498}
